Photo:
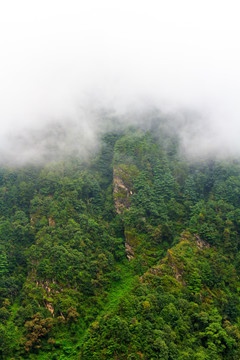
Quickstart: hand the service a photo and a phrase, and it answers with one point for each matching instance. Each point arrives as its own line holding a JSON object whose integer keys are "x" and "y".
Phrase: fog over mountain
{"x": 62, "y": 62}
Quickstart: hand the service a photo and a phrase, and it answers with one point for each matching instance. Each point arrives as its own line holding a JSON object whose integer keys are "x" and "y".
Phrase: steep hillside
{"x": 133, "y": 254}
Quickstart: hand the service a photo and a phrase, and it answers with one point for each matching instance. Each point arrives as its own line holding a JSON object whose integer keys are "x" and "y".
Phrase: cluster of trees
{"x": 67, "y": 289}
{"x": 186, "y": 307}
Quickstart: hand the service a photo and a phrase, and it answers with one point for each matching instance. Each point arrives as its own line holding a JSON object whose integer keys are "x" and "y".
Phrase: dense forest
{"x": 131, "y": 254}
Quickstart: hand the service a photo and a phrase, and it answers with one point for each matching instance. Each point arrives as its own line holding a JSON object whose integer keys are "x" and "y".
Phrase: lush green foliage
{"x": 67, "y": 289}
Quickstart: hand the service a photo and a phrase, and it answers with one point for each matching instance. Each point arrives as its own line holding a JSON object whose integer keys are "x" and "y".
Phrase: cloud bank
{"x": 58, "y": 57}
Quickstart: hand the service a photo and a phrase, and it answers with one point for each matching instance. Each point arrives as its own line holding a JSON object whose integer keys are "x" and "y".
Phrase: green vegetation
{"x": 134, "y": 254}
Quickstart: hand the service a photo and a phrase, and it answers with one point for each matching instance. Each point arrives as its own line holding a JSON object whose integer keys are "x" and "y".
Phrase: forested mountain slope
{"x": 133, "y": 254}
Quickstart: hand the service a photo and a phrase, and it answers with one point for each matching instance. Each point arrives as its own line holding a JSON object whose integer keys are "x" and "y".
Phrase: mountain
{"x": 132, "y": 253}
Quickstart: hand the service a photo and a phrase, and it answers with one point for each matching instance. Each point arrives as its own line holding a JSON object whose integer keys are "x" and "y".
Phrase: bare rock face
{"x": 121, "y": 190}
{"x": 47, "y": 292}
{"x": 129, "y": 251}
{"x": 123, "y": 176}
{"x": 176, "y": 267}
{"x": 201, "y": 244}
{"x": 129, "y": 245}
{"x": 51, "y": 222}
{"x": 50, "y": 308}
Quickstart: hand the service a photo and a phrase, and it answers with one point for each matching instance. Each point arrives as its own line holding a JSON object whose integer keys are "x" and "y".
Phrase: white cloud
{"x": 56, "y": 55}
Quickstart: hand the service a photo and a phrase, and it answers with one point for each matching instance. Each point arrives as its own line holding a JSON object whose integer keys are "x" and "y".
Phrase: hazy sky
{"x": 59, "y": 54}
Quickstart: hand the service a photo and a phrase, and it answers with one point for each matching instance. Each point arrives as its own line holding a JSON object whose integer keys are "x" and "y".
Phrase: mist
{"x": 63, "y": 62}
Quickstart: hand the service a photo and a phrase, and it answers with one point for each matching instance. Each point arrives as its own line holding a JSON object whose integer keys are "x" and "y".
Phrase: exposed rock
{"x": 201, "y": 244}
{"x": 47, "y": 291}
{"x": 156, "y": 270}
{"x": 129, "y": 251}
{"x": 121, "y": 190}
{"x": 51, "y": 222}
{"x": 130, "y": 244}
{"x": 176, "y": 268}
{"x": 50, "y": 308}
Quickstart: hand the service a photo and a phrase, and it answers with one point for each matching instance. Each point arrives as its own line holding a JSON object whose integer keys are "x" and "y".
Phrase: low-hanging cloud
{"x": 58, "y": 57}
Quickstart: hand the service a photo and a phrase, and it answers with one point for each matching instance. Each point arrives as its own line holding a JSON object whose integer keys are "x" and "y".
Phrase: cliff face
{"x": 122, "y": 192}
{"x": 121, "y": 189}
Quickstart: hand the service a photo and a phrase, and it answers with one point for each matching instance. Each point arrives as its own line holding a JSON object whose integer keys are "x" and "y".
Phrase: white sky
{"x": 56, "y": 54}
